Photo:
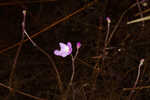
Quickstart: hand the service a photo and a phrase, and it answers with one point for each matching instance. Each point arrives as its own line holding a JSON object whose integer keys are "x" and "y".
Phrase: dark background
{"x": 34, "y": 73}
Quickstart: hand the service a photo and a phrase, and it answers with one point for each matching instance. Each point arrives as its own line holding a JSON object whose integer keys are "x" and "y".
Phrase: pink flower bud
{"x": 108, "y": 20}
{"x": 78, "y": 45}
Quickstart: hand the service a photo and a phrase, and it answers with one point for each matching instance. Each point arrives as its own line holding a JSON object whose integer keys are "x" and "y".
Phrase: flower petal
{"x": 63, "y": 47}
{"x": 70, "y": 48}
{"x": 57, "y": 52}
{"x": 69, "y": 44}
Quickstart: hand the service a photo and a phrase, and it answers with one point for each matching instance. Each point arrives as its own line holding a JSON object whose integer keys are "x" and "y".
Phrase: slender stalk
{"x": 106, "y": 40}
{"x": 22, "y": 93}
{"x": 137, "y": 88}
{"x": 108, "y": 29}
{"x": 72, "y": 76}
{"x": 137, "y": 78}
{"x": 107, "y": 35}
{"x": 119, "y": 21}
{"x": 60, "y": 85}
{"x": 139, "y": 20}
{"x": 73, "y": 66}
{"x": 50, "y": 59}
{"x": 140, "y": 10}
{"x": 34, "y": 44}
{"x": 73, "y": 71}
{"x": 11, "y": 77}
{"x": 24, "y": 2}
{"x": 51, "y": 25}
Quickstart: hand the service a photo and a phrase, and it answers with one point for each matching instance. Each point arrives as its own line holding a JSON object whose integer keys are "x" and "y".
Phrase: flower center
{"x": 67, "y": 49}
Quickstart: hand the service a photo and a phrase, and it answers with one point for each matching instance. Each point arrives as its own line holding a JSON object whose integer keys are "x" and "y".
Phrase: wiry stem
{"x": 106, "y": 39}
{"x": 11, "y": 78}
{"x": 73, "y": 67}
{"x": 140, "y": 10}
{"x": 137, "y": 78}
{"x": 50, "y": 59}
{"x": 72, "y": 76}
{"x": 52, "y": 25}
{"x": 22, "y": 93}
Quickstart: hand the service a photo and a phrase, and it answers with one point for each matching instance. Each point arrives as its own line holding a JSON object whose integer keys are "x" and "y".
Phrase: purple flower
{"x": 65, "y": 49}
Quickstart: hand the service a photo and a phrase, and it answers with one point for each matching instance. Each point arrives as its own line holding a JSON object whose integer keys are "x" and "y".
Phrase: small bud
{"x": 108, "y": 20}
{"x": 78, "y": 45}
{"x": 141, "y": 61}
{"x": 24, "y": 12}
{"x": 144, "y": 4}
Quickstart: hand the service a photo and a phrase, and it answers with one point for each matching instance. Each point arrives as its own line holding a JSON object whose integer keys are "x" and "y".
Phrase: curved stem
{"x": 73, "y": 70}
{"x": 11, "y": 77}
{"x": 73, "y": 67}
{"x": 50, "y": 59}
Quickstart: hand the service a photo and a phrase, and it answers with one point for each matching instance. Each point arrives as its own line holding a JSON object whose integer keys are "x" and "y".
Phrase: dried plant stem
{"x": 137, "y": 88}
{"x": 145, "y": 11}
{"x": 22, "y": 93}
{"x": 108, "y": 30}
{"x": 139, "y": 20}
{"x": 50, "y": 26}
{"x": 115, "y": 28}
{"x": 50, "y": 59}
{"x": 73, "y": 58}
{"x": 119, "y": 21}
{"x": 137, "y": 78}
{"x": 140, "y": 10}
{"x": 24, "y": 2}
{"x": 73, "y": 67}
{"x": 73, "y": 71}
{"x": 60, "y": 85}
{"x": 34, "y": 44}
{"x": 106, "y": 41}
{"x": 11, "y": 77}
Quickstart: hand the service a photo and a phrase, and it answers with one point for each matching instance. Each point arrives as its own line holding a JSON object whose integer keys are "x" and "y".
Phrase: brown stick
{"x": 49, "y": 58}
{"x": 137, "y": 88}
{"x": 140, "y": 10}
{"x": 23, "y": 2}
{"x": 11, "y": 77}
{"x": 137, "y": 78}
{"x": 22, "y": 93}
{"x": 50, "y": 26}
